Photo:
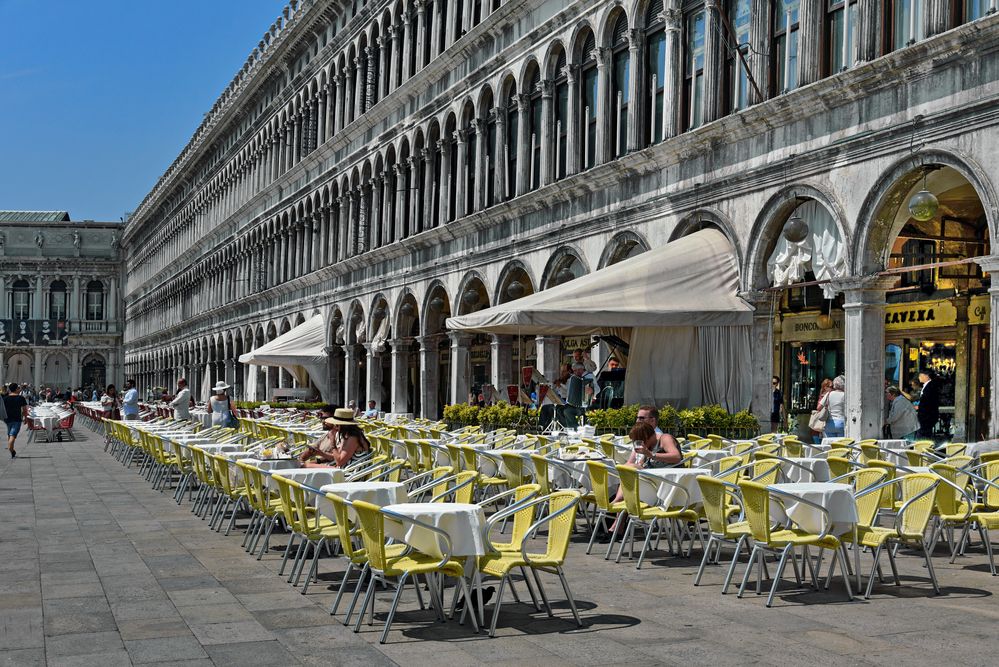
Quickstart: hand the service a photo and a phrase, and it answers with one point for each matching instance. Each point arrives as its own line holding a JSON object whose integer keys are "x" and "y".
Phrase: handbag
{"x": 817, "y": 421}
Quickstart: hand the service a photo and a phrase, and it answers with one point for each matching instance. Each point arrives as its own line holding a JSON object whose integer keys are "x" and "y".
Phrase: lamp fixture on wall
{"x": 515, "y": 289}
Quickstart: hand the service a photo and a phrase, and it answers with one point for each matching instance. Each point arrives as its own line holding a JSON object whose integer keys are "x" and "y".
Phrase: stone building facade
{"x": 61, "y": 315}
{"x": 389, "y": 163}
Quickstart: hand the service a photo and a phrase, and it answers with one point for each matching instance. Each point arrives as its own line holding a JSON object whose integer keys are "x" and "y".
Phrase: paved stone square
{"x": 100, "y": 569}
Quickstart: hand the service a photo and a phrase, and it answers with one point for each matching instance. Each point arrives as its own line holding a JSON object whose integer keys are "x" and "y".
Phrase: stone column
{"x": 459, "y": 367}
{"x": 991, "y": 266}
{"x": 350, "y": 374}
{"x": 864, "y": 331}
{"x": 429, "y": 376}
{"x": 573, "y": 131}
{"x": 400, "y": 202}
{"x": 321, "y": 117}
{"x": 762, "y": 346}
{"x": 74, "y": 369}
{"x": 358, "y": 88}
{"x": 501, "y": 359}
{"x": 547, "y": 138}
{"x": 460, "y": 180}
{"x": 481, "y": 139}
{"x": 428, "y": 189}
{"x": 450, "y": 30}
{"x": 374, "y": 375}
{"x": 713, "y": 61}
{"x": 400, "y": 375}
{"x": 74, "y": 301}
{"x": 412, "y": 187}
{"x": 810, "y": 29}
{"x": 673, "y": 71}
{"x": 407, "y": 44}
{"x": 112, "y": 313}
{"x": 963, "y": 399}
{"x": 38, "y": 304}
{"x": 549, "y": 355}
{"x": 936, "y": 20}
{"x": 444, "y": 187}
{"x": 376, "y": 224}
{"x": 386, "y": 206}
{"x": 334, "y": 382}
{"x": 499, "y": 156}
{"x": 868, "y": 30}
{"x": 602, "y": 56}
{"x": 339, "y": 121}
{"x": 523, "y": 146}
{"x": 370, "y": 92}
{"x": 421, "y": 14}
{"x": 37, "y": 375}
{"x": 230, "y": 372}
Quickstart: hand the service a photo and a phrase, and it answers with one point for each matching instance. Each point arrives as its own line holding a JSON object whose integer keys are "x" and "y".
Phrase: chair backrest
{"x": 515, "y": 469}
{"x": 839, "y": 466}
{"x": 955, "y": 448}
{"x": 888, "y": 495}
{"x": 914, "y": 457}
{"x": 454, "y": 453}
{"x": 715, "y": 496}
{"x": 201, "y": 466}
{"x": 342, "y": 516}
{"x": 371, "y": 522}
{"x": 948, "y": 498}
{"x": 766, "y": 471}
{"x": 793, "y": 448}
{"x": 868, "y": 505}
{"x": 523, "y": 518}
{"x": 253, "y": 481}
{"x": 988, "y": 457}
{"x": 630, "y": 486}
{"x": 869, "y": 451}
{"x": 607, "y": 449}
{"x": 841, "y": 452}
{"x": 541, "y": 473}
{"x": 220, "y": 467}
{"x": 756, "y": 503}
{"x": 916, "y": 509}
{"x": 599, "y": 475}
{"x": 923, "y": 445}
{"x": 561, "y": 519}
{"x": 767, "y": 449}
{"x": 293, "y": 503}
{"x": 427, "y": 458}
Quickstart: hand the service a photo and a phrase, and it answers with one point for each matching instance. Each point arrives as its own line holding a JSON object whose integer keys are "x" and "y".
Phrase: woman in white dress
{"x": 221, "y": 406}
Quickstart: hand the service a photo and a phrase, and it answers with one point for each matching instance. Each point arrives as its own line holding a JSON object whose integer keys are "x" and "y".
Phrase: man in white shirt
{"x": 181, "y": 403}
{"x": 130, "y": 401}
{"x": 372, "y": 411}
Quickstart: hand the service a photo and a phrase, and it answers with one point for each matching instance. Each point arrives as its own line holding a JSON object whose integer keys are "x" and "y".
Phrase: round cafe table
{"x": 376, "y": 493}
{"x": 837, "y": 499}
{"x": 464, "y": 524}
{"x": 667, "y": 495}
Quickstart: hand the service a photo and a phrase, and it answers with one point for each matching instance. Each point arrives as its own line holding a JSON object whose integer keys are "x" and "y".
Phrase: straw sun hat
{"x": 342, "y": 417}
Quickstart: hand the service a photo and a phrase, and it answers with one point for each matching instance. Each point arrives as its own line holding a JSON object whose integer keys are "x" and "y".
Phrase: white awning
{"x": 301, "y": 351}
{"x": 692, "y": 281}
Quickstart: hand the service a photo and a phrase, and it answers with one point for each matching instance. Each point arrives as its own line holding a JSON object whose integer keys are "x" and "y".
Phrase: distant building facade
{"x": 390, "y": 163}
{"x": 61, "y": 316}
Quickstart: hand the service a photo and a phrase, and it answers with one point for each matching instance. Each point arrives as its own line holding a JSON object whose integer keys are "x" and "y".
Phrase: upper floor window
{"x": 588, "y": 103}
{"x": 561, "y": 103}
{"x": 737, "y": 54}
{"x": 534, "y": 129}
{"x": 20, "y": 300}
{"x": 57, "y": 300}
{"x": 970, "y": 10}
{"x": 841, "y": 35}
{"x": 693, "y": 89}
{"x": 619, "y": 86}
{"x": 785, "y": 45}
{"x": 512, "y": 119}
{"x": 95, "y": 300}
{"x": 655, "y": 65}
{"x": 903, "y": 23}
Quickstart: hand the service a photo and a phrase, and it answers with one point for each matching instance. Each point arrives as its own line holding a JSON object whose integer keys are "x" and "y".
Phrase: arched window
{"x": 655, "y": 66}
{"x": 737, "y": 54}
{"x": 512, "y": 118}
{"x": 470, "y": 141}
{"x": 840, "y": 35}
{"x": 57, "y": 300}
{"x": 588, "y": 103}
{"x": 534, "y": 129}
{"x": 443, "y": 29}
{"x": 561, "y": 120}
{"x": 95, "y": 300}
{"x": 20, "y": 300}
{"x": 693, "y": 71}
{"x": 785, "y": 46}
{"x": 619, "y": 87}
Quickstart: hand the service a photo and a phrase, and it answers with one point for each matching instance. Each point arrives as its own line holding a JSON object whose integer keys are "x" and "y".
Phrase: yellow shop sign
{"x": 920, "y": 315}
{"x": 979, "y": 309}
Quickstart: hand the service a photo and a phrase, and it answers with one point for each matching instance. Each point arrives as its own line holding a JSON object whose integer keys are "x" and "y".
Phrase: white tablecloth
{"x": 572, "y": 474}
{"x": 463, "y": 523}
{"x": 708, "y": 458}
{"x": 202, "y": 417}
{"x": 314, "y": 477}
{"x": 819, "y": 470}
{"x": 837, "y": 499}
{"x": 898, "y": 447}
{"x": 218, "y": 449}
{"x": 376, "y": 493}
{"x": 668, "y": 495}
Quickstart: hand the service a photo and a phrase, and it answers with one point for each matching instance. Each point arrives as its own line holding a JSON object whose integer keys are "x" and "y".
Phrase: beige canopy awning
{"x": 692, "y": 281}
{"x": 301, "y": 351}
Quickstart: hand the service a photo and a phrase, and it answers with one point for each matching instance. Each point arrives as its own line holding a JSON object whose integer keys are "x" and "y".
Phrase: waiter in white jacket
{"x": 182, "y": 401}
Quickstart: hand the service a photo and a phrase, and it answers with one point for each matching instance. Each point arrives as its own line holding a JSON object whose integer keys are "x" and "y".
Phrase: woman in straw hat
{"x": 221, "y": 406}
{"x": 343, "y": 444}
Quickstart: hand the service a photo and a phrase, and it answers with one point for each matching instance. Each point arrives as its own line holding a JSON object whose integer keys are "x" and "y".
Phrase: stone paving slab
{"x": 99, "y": 569}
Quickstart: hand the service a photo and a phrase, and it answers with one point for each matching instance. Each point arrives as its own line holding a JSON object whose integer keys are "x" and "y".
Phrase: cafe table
{"x": 806, "y": 469}
{"x": 838, "y": 501}
{"x": 707, "y": 458}
{"x": 572, "y": 471}
{"x": 667, "y": 495}
{"x": 376, "y": 493}
{"x": 314, "y": 477}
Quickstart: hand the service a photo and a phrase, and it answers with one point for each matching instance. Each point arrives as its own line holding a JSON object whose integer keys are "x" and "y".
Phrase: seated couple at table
{"x": 343, "y": 444}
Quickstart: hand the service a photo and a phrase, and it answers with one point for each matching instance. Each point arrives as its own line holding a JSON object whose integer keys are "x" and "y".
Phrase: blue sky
{"x": 97, "y": 97}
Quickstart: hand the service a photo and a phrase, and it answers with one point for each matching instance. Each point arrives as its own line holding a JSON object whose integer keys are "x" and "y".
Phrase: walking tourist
{"x": 109, "y": 402}
{"x": 824, "y": 389}
{"x": 777, "y": 405}
{"x": 130, "y": 401}
{"x": 902, "y": 420}
{"x": 16, "y": 408}
{"x": 221, "y": 406}
{"x": 835, "y": 401}
{"x": 181, "y": 403}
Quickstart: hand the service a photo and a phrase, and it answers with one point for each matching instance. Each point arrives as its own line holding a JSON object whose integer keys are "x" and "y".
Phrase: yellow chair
{"x": 766, "y": 471}
{"x": 955, "y": 449}
{"x": 988, "y": 457}
{"x": 715, "y": 494}
{"x": 599, "y": 474}
{"x": 522, "y": 518}
{"x": 470, "y": 461}
{"x": 265, "y": 506}
{"x": 515, "y": 469}
{"x": 954, "y": 505}
{"x": 232, "y": 496}
{"x": 456, "y": 488}
{"x": 840, "y": 466}
{"x": 648, "y": 516}
{"x": 371, "y": 520}
{"x": 918, "y": 499}
{"x": 756, "y": 499}
{"x": 869, "y": 451}
{"x": 560, "y": 519}
{"x": 307, "y": 524}
{"x": 793, "y": 448}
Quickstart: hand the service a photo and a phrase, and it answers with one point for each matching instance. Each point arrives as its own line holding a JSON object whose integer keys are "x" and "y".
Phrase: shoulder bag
{"x": 817, "y": 421}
